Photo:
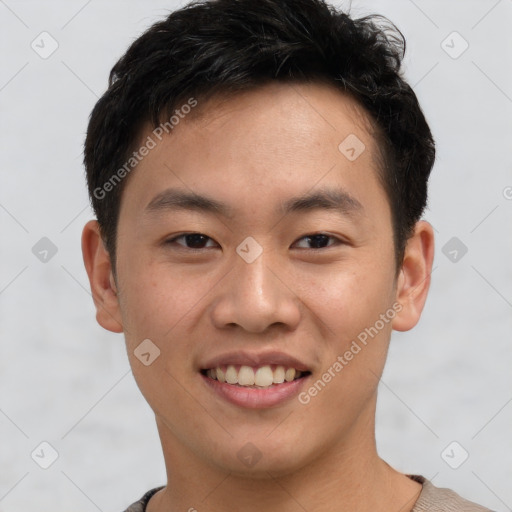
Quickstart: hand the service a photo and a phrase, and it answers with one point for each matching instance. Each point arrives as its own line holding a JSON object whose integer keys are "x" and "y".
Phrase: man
{"x": 258, "y": 169}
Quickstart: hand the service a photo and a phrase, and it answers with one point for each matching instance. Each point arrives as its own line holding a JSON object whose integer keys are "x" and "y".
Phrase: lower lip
{"x": 254, "y": 398}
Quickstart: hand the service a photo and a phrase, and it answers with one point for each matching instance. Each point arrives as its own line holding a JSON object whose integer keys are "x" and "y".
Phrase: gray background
{"x": 66, "y": 381}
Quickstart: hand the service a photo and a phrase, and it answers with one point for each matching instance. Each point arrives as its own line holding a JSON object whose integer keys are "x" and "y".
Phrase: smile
{"x": 254, "y": 387}
{"x": 255, "y": 377}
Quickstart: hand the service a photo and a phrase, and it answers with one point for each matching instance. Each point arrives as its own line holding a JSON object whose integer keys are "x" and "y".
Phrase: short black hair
{"x": 214, "y": 47}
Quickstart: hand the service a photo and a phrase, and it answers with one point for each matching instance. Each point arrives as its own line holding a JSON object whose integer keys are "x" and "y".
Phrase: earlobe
{"x": 99, "y": 270}
{"x": 414, "y": 279}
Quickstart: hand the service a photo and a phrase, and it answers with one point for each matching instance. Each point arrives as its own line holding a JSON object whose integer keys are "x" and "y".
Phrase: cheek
{"x": 154, "y": 299}
{"x": 155, "y": 304}
{"x": 354, "y": 311}
{"x": 346, "y": 300}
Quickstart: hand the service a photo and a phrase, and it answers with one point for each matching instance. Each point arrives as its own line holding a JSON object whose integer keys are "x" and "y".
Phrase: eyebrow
{"x": 323, "y": 199}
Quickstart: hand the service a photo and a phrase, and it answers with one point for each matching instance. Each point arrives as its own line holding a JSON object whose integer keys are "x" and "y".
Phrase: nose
{"x": 256, "y": 296}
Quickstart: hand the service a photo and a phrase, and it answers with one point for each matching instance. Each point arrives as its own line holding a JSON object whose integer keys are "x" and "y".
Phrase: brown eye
{"x": 194, "y": 241}
{"x": 320, "y": 241}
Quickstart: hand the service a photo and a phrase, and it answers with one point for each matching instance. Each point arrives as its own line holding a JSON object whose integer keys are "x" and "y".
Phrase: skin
{"x": 254, "y": 151}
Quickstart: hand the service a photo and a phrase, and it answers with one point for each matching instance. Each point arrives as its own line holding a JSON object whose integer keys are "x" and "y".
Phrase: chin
{"x": 262, "y": 459}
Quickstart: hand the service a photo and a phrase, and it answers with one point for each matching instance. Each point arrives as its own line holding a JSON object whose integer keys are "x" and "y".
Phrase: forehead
{"x": 261, "y": 143}
{"x": 311, "y": 107}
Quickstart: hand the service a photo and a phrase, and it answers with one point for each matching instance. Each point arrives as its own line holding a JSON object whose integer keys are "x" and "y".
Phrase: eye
{"x": 193, "y": 241}
{"x": 320, "y": 240}
{"x": 199, "y": 241}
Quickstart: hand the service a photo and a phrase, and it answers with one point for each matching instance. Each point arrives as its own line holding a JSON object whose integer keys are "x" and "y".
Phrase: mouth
{"x": 254, "y": 380}
{"x": 254, "y": 387}
{"x": 259, "y": 377}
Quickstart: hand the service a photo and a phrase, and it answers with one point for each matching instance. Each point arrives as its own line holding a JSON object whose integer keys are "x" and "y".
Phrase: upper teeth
{"x": 262, "y": 376}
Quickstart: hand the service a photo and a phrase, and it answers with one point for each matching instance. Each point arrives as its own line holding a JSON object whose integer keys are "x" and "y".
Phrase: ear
{"x": 99, "y": 269}
{"x": 414, "y": 278}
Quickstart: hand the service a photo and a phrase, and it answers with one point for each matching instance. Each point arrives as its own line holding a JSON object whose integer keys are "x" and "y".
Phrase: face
{"x": 286, "y": 264}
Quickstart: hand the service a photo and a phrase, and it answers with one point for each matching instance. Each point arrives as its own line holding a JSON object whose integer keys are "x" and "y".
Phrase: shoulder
{"x": 438, "y": 499}
{"x": 431, "y": 499}
{"x": 140, "y": 505}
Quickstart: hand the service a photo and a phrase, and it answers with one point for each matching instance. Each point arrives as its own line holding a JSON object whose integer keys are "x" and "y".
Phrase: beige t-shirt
{"x": 439, "y": 499}
{"x": 431, "y": 499}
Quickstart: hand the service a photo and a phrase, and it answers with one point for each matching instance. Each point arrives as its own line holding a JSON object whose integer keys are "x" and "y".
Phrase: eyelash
{"x": 338, "y": 240}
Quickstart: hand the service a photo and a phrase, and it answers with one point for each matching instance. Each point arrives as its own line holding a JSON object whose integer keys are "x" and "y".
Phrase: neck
{"x": 349, "y": 476}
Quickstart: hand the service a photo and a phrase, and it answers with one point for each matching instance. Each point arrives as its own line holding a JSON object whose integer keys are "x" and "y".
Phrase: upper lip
{"x": 254, "y": 359}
